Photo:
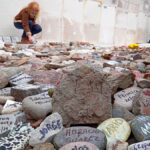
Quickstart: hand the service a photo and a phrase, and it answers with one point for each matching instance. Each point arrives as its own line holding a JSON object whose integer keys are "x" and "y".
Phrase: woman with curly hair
{"x": 25, "y": 20}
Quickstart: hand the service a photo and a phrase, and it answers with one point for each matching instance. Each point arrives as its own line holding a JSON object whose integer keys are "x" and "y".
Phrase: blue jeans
{"x": 34, "y": 28}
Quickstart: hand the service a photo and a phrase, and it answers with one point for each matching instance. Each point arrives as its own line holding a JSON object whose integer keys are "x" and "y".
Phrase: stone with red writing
{"x": 79, "y": 146}
{"x": 141, "y": 103}
{"x": 125, "y": 98}
{"x": 115, "y": 129}
{"x": 78, "y": 134}
{"x": 141, "y": 128}
{"x": 48, "y": 128}
{"x": 20, "y": 78}
{"x": 145, "y": 145}
{"x": 37, "y": 106}
{"x": 24, "y": 90}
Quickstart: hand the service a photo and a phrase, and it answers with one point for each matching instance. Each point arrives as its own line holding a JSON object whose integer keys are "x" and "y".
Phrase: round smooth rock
{"x": 3, "y": 99}
{"x": 4, "y": 79}
{"x": 20, "y": 78}
{"x": 78, "y": 134}
{"x": 22, "y": 91}
{"x": 141, "y": 103}
{"x": 79, "y": 146}
{"x": 115, "y": 129}
{"x": 125, "y": 98}
{"x": 37, "y": 106}
{"x": 141, "y": 128}
{"x": 145, "y": 145}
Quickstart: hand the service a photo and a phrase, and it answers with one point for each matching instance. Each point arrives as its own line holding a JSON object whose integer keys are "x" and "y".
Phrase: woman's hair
{"x": 34, "y": 6}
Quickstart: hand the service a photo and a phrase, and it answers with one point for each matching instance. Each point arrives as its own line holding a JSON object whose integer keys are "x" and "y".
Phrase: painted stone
{"x": 141, "y": 103}
{"x": 115, "y": 129}
{"x": 125, "y": 98}
{"x": 145, "y": 145}
{"x": 20, "y": 78}
{"x": 79, "y": 146}
{"x": 48, "y": 128}
{"x": 37, "y": 106}
{"x": 5, "y": 92}
{"x": 80, "y": 134}
{"x": 11, "y": 106}
{"x": 141, "y": 128}
{"x": 22, "y": 91}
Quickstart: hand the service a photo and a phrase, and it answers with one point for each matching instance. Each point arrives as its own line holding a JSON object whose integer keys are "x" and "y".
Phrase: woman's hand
{"x": 30, "y": 38}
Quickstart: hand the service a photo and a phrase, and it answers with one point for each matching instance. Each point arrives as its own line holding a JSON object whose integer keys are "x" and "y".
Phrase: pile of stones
{"x": 76, "y": 96}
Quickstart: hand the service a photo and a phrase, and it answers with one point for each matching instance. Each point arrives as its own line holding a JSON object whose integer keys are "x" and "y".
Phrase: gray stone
{"x": 45, "y": 146}
{"x": 141, "y": 103}
{"x": 20, "y": 78}
{"x": 22, "y": 91}
{"x": 80, "y": 99}
{"x": 48, "y": 128}
{"x": 120, "y": 112}
{"x": 78, "y": 134}
{"x": 125, "y": 98}
{"x": 80, "y": 146}
{"x": 141, "y": 128}
{"x": 37, "y": 106}
{"x": 145, "y": 145}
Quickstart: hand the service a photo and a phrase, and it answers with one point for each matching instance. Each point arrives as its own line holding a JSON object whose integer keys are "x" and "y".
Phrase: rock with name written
{"x": 145, "y": 145}
{"x": 11, "y": 106}
{"x": 141, "y": 103}
{"x": 6, "y": 123}
{"x": 22, "y": 91}
{"x": 78, "y": 134}
{"x": 115, "y": 129}
{"x": 37, "y": 106}
{"x": 20, "y": 78}
{"x": 80, "y": 146}
{"x": 49, "y": 127}
{"x": 125, "y": 98}
{"x": 141, "y": 128}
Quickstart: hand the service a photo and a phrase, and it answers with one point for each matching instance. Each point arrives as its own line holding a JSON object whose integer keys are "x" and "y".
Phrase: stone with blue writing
{"x": 20, "y": 78}
{"x": 11, "y": 107}
{"x": 141, "y": 103}
{"x": 52, "y": 125}
{"x": 79, "y": 146}
{"x": 125, "y": 98}
{"x": 145, "y": 145}
{"x": 141, "y": 128}
{"x": 80, "y": 134}
{"x": 24, "y": 90}
{"x": 115, "y": 129}
{"x": 37, "y": 106}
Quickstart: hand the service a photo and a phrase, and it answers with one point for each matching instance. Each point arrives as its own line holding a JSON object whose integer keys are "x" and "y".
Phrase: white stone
{"x": 11, "y": 106}
{"x": 145, "y": 145}
{"x": 48, "y": 128}
{"x": 38, "y": 106}
{"x": 5, "y": 92}
{"x": 20, "y": 78}
{"x": 115, "y": 129}
{"x": 125, "y": 98}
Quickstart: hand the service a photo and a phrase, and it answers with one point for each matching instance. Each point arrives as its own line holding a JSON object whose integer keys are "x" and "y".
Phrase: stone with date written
{"x": 125, "y": 98}
{"x": 141, "y": 128}
{"x": 37, "y": 106}
{"x": 80, "y": 134}
{"x": 80, "y": 146}
{"x": 48, "y": 128}
{"x": 141, "y": 103}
